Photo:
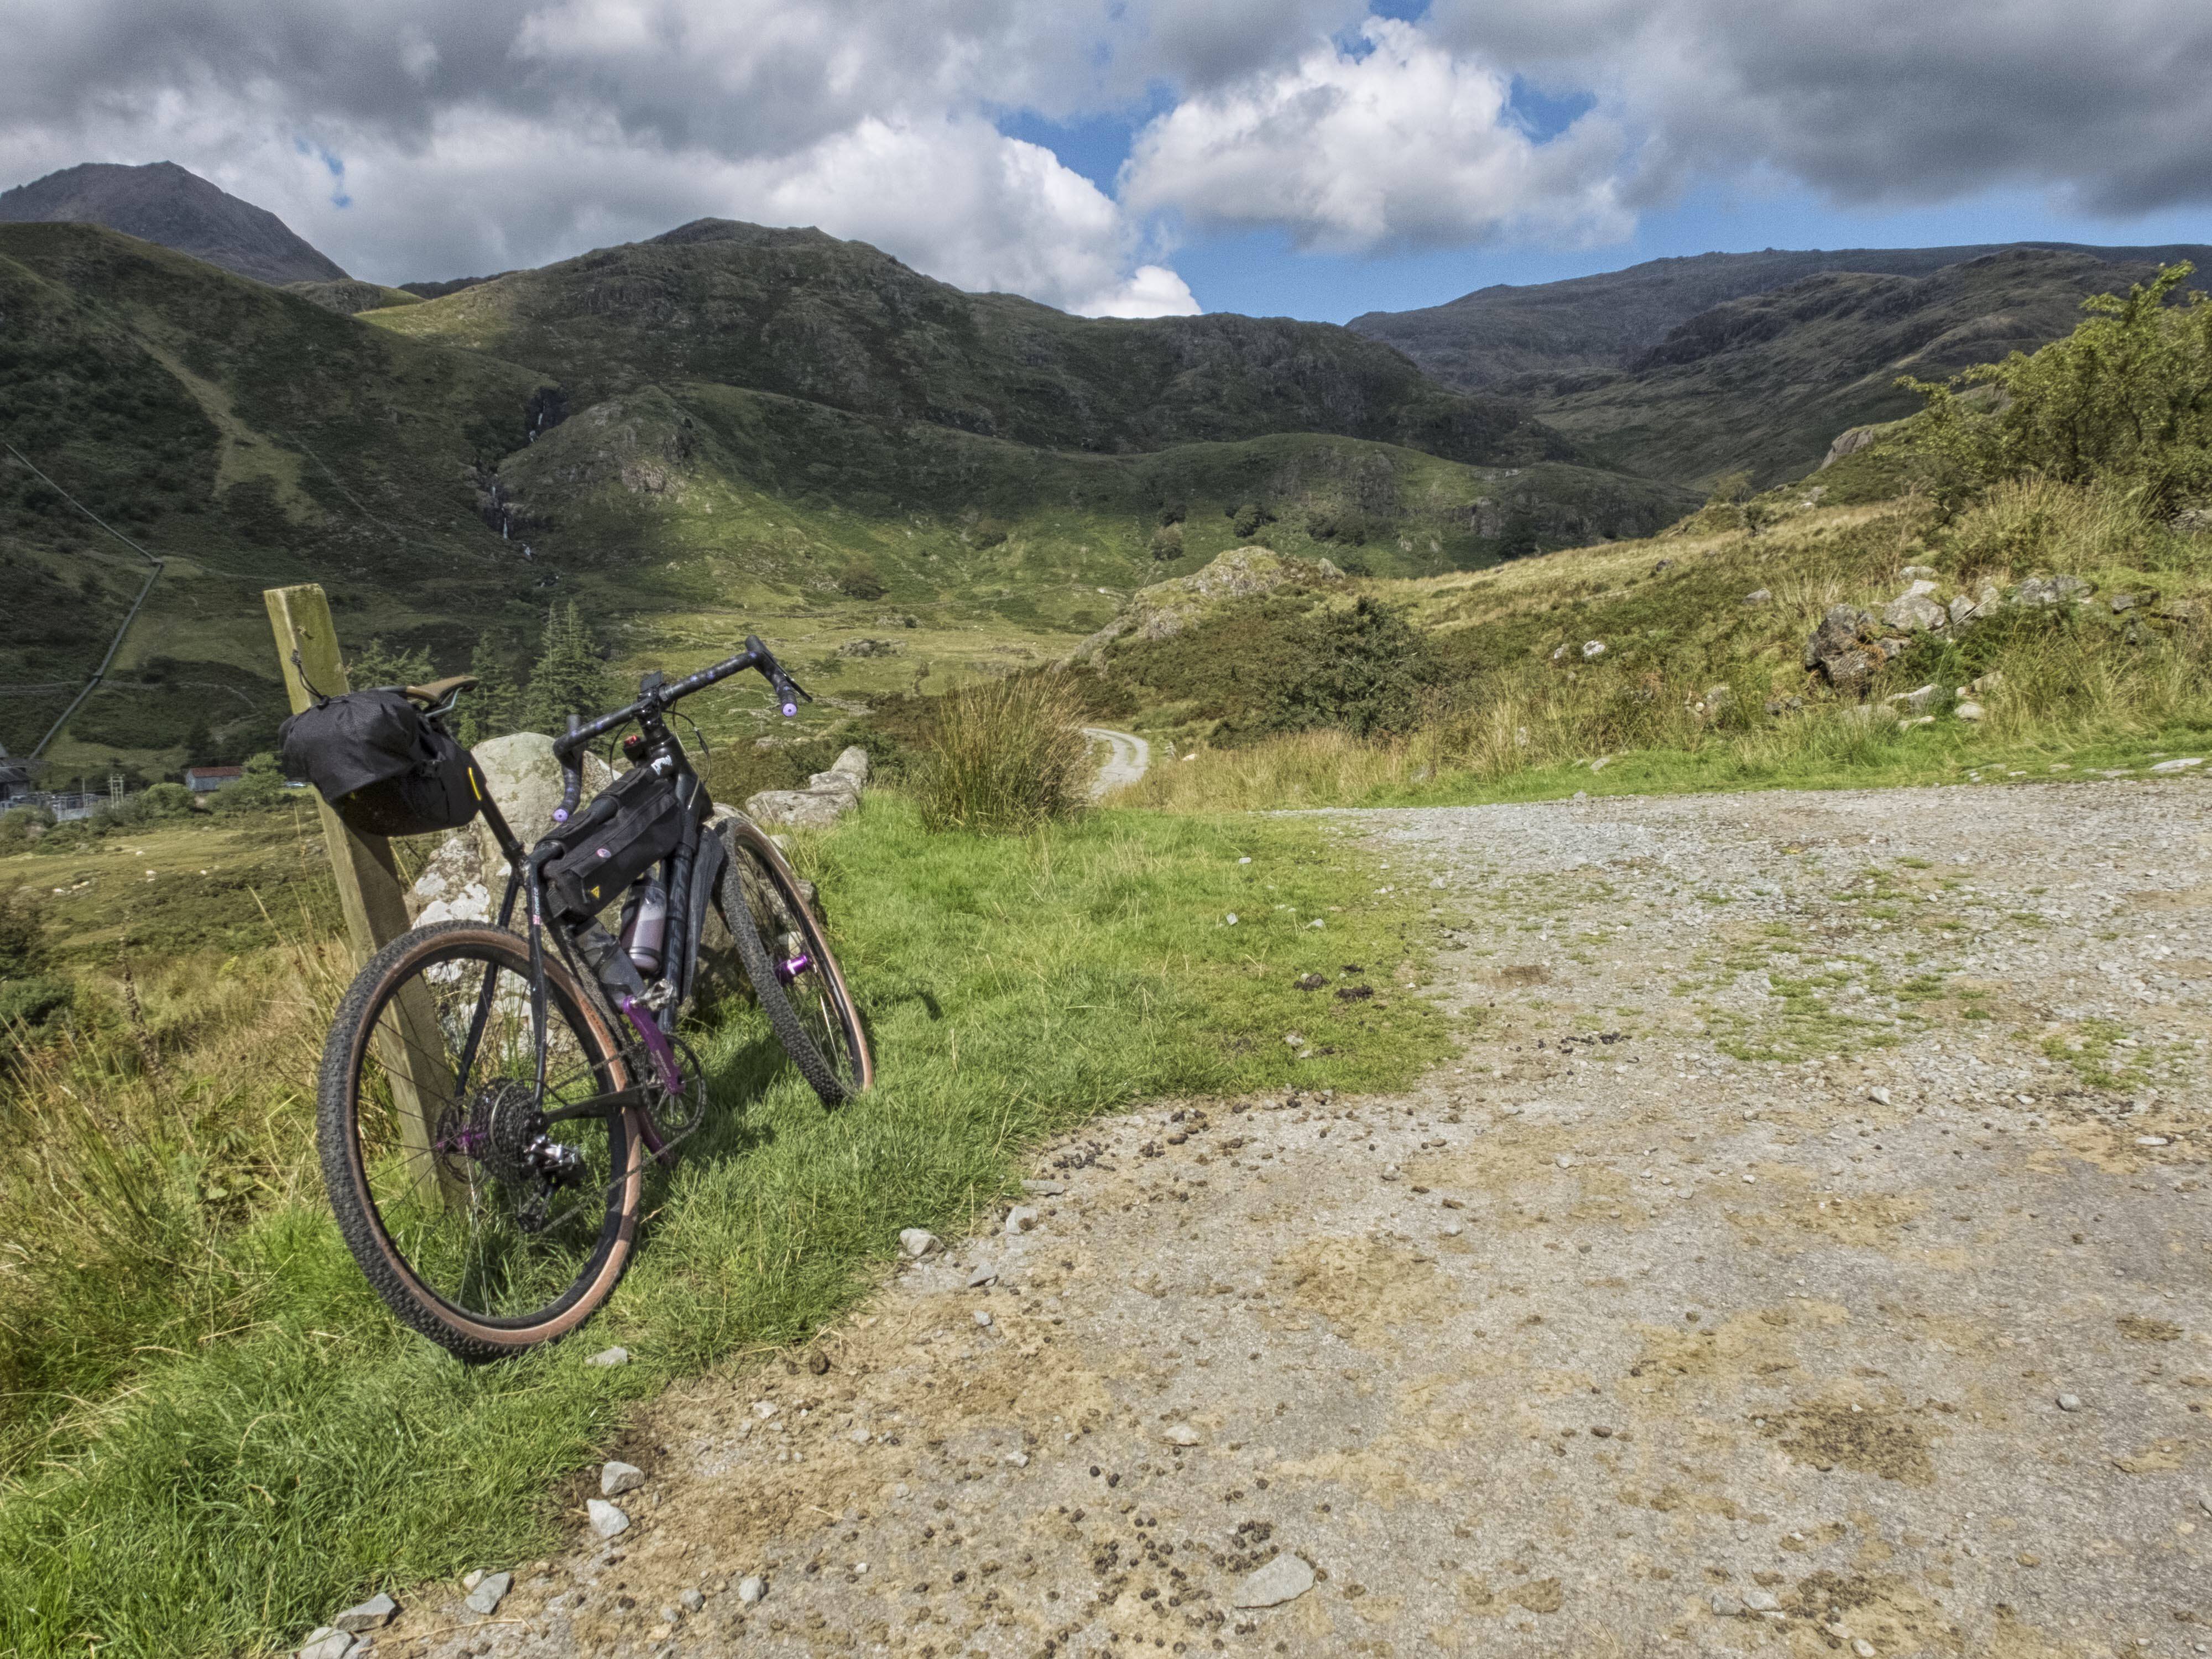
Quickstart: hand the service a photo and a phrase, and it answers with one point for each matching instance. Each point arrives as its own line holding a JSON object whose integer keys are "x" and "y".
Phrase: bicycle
{"x": 486, "y": 1109}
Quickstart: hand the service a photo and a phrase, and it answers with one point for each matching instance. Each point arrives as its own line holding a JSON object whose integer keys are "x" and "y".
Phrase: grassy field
{"x": 212, "y": 1434}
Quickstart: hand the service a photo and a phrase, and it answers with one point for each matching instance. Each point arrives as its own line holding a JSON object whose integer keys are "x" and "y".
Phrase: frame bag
{"x": 386, "y": 767}
{"x": 646, "y": 827}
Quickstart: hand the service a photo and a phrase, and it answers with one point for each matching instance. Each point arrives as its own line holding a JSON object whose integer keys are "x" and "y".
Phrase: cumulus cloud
{"x": 1397, "y": 142}
{"x": 2109, "y": 107}
{"x": 473, "y": 137}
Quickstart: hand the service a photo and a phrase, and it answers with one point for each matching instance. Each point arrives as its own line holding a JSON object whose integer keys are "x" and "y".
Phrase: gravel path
{"x": 1807, "y": 1255}
{"x": 1128, "y": 757}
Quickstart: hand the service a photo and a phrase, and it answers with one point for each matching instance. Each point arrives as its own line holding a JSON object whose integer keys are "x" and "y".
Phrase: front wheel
{"x": 488, "y": 1216}
{"x": 786, "y": 957}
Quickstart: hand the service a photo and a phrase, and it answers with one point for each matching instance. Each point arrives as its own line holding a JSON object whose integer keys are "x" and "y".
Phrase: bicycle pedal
{"x": 660, "y": 994}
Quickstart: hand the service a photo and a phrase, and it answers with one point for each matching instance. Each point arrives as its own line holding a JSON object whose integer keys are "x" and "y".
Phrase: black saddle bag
{"x": 384, "y": 765}
{"x": 599, "y": 867}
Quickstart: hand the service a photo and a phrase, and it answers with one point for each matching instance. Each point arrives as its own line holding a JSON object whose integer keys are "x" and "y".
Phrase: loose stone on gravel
{"x": 371, "y": 1614}
{"x": 2069, "y": 1402}
{"x": 489, "y": 1592}
{"x": 1285, "y": 1578}
{"x": 691, "y": 1600}
{"x": 327, "y": 1642}
{"x": 919, "y": 1241}
{"x": 1021, "y": 1219}
{"x": 751, "y": 1589}
{"x": 616, "y": 1478}
{"x": 607, "y": 1520}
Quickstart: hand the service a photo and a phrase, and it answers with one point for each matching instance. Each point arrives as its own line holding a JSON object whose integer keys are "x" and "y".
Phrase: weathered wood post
{"x": 371, "y": 894}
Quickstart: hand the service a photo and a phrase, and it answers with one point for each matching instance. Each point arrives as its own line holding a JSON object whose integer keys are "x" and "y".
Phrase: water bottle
{"x": 645, "y": 924}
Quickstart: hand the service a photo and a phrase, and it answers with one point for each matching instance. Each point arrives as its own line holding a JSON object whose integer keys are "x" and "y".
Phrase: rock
{"x": 1165, "y": 608}
{"x": 1918, "y": 573}
{"x": 616, "y": 1478}
{"x": 1969, "y": 710}
{"x": 472, "y": 1578}
{"x": 2069, "y": 1402}
{"x": 524, "y": 779}
{"x": 691, "y": 1600}
{"x": 486, "y": 1596}
{"x": 1847, "y": 442}
{"x": 751, "y": 1589}
{"x": 1863, "y": 1647}
{"x": 1759, "y": 1601}
{"x": 983, "y": 1317}
{"x": 1961, "y": 611}
{"x": 2181, "y": 765}
{"x": 1181, "y": 1434}
{"x": 1045, "y": 1188}
{"x": 377, "y": 1612}
{"x": 919, "y": 1241}
{"x": 1593, "y": 649}
{"x": 1916, "y": 611}
{"x": 1309, "y": 981}
{"x": 2123, "y": 602}
{"x": 451, "y": 887}
{"x": 606, "y": 1520}
{"x": 1021, "y": 1219}
{"x": 1020, "y": 1460}
{"x": 607, "y": 1357}
{"x": 1840, "y": 648}
{"x": 1724, "y": 1606}
{"x": 1717, "y": 698}
{"x": 985, "y": 1274}
{"x": 325, "y": 1642}
{"x": 1920, "y": 700}
{"x": 2193, "y": 520}
{"x": 801, "y": 809}
{"x": 1758, "y": 596}
{"x": 2049, "y": 590}
{"x": 1285, "y": 1578}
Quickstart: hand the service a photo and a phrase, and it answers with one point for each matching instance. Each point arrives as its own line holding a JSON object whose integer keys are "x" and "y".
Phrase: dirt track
{"x": 1720, "y": 1299}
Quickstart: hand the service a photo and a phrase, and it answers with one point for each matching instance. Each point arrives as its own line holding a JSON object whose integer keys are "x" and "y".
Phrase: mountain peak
{"x": 165, "y": 204}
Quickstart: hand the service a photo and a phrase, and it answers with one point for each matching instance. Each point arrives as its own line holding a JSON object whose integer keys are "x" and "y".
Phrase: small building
{"x": 206, "y": 780}
{"x": 14, "y": 780}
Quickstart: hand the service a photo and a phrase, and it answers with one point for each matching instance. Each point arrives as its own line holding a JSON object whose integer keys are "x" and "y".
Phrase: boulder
{"x": 1843, "y": 649}
{"x": 1848, "y": 442}
{"x": 1918, "y": 701}
{"x": 828, "y": 796}
{"x": 1916, "y": 611}
{"x": 467, "y": 873}
{"x": 2049, "y": 590}
{"x": 1166, "y": 608}
{"x": 1758, "y": 596}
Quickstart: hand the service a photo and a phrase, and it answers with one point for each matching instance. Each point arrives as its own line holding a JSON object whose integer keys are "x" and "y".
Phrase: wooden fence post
{"x": 372, "y": 896}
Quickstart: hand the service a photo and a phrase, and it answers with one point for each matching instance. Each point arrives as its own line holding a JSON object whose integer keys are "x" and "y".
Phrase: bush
{"x": 17, "y": 823}
{"x": 1362, "y": 671}
{"x": 262, "y": 787}
{"x": 164, "y": 800}
{"x": 1247, "y": 520}
{"x": 859, "y": 582}
{"x": 1167, "y": 543}
{"x": 1006, "y": 755}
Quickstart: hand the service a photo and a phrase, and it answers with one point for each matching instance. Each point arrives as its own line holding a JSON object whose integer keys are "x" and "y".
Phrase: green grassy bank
{"x": 212, "y": 1435}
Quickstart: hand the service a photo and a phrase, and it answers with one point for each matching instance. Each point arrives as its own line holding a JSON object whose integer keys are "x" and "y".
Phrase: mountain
{"x": 742, "y": 429}
{"x": 162, "y": 203}
{"x": 803, "y": 315}
{"x": 1685, "y": 368}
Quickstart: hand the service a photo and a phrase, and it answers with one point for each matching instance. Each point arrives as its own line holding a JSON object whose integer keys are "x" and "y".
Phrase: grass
{"x": 214, "y": 1435}
{"x": 1005, "y": 756}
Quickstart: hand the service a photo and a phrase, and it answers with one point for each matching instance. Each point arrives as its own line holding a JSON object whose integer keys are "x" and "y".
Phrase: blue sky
{"x": 1262, "y": 273}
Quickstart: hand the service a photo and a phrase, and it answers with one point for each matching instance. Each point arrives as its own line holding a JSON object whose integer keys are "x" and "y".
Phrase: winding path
{"x": 1128, "y": 758}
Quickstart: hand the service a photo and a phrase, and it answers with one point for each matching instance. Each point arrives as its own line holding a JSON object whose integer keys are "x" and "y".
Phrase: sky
{"x": 1310, "y": 158}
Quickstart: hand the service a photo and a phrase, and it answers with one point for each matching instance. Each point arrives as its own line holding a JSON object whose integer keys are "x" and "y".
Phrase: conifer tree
{"x": 493, "y": 707}
{"x": 378, "y": 663}
{"x": 567, "y": 678}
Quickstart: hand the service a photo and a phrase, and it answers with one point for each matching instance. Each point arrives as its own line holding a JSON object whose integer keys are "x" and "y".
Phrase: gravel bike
{"x": 487, "y": 1108}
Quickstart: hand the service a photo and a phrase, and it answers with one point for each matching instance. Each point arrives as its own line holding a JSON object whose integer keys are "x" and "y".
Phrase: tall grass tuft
{"x": 1006, "y": 757}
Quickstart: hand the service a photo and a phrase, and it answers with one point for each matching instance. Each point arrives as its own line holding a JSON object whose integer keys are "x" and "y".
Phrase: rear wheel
{"x": 787, "y": 959}
{"x": 487, "y": 1217}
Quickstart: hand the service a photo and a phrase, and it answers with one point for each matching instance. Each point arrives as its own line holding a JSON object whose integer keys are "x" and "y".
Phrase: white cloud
{"x": 1401, "y": 143}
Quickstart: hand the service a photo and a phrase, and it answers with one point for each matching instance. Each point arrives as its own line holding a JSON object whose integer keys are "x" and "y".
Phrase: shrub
{"x": 1362, "y": 671}
{"x": 1247, "y": 520}
{"x": 17, "y": 824}
{"x": 262, "y": 786}
{"x": 1006, "y": 755}
{"x": 859, "y": 582}
{"x": 164, "y": 800}
{"x": 1167, "y": 541}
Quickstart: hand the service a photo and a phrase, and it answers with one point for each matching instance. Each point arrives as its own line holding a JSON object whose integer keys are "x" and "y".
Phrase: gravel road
{"x": 1807, "y": 1255}
{"x": 1128, "y": 757}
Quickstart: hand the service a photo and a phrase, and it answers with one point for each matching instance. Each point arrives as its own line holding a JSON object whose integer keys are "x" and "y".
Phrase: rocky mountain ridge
{"x": 163, "y": 203}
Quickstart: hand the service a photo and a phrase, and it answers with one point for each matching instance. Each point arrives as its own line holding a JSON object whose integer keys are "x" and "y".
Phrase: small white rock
{"x": 1285, "y": 1578}
{"x": 751, "y": 1589}
{"x": 1879, "y": 1097}
{"x": 616, "y": 1478}
{"x": 1044, "y": 1189}
{"x": 1759, "y": 1601}
{"x": 472, "y": 1578}
{"x": 2182, "y": 765}
{"x": 486, "y": 1595}
{"x": 2154, "y": 1140}
{"x": 691, "y": 1600}
{"x": 1021, "y": 1219}
{"x": 2069, "y": 1402}
{"x": 764, "y": 1409}
{"x": 918, "y": 1242}
{"x": 325, "y": 1642}
{"x": 983, "y": 1317}
{"x": 1564, "y": 1162}
{"x": 1020, "y": 1460}
{"x": 1451, "y": 1230}
{"x": 374, "y": 1613}
{"x": 1861, "y": 1647}
{"x": 985, "y": 1274}
{"x": 607, "y": 1520}
{"x": 610, "y": 1356}
{"x": 1181, "y": 1434}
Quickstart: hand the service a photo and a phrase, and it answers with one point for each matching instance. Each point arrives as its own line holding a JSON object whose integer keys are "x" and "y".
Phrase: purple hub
{"x": 787, "y": 971}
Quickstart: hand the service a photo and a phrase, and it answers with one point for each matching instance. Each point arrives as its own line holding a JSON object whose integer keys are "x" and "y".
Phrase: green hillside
{"x": 803, "y": 315}
{"x": 1686, "y": 368}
